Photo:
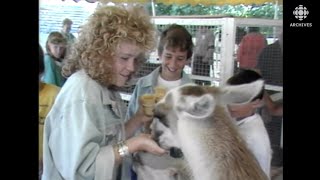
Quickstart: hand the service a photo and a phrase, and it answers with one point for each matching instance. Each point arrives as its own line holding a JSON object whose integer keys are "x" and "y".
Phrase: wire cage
{"x": 228, "y": 35}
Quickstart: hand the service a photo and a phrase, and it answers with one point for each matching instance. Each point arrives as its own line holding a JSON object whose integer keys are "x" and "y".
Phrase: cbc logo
{"x": 300, "y": 12}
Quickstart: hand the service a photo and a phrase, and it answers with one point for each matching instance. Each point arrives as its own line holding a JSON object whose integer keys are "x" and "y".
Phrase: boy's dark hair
{"x": 176, "y": 36}
{"x": 41, "y": 59}
{"x": 246, "y": 76}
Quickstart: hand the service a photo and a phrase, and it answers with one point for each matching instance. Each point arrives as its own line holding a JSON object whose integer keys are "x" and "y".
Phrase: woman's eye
{"x": 136, "y": 60}
{"x": 124, "y": 58}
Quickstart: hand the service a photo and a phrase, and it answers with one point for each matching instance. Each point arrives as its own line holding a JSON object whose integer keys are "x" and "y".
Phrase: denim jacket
{"x": 80, "y": 130}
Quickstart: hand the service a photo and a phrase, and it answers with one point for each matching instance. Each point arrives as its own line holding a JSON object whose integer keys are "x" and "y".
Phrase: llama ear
{"x": 240, "y": 94}
{"x": 197, "y": 107}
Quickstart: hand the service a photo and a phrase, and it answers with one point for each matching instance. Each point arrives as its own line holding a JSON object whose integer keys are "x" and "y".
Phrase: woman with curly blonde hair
{"x": 85, "y": 133}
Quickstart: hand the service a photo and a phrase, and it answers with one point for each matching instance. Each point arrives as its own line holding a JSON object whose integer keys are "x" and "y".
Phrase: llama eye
{"x": 158, "y": 114}
{"x": 157, "y": 134}
{"x": 163, "y": 120}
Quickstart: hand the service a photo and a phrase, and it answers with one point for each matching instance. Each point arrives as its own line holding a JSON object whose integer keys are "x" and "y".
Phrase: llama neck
{"x": 214, "y": 150}
{"x": 196, "y": 151}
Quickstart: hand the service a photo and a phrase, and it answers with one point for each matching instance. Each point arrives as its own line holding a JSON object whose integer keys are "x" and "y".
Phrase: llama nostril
{"x": 176, "y": 152}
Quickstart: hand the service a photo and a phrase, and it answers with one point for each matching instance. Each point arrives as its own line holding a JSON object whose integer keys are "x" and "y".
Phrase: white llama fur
{"x": 202, "y": 128}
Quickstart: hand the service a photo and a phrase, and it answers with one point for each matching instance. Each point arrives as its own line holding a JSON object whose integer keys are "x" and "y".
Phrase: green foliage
{"x": 266, "y": 10}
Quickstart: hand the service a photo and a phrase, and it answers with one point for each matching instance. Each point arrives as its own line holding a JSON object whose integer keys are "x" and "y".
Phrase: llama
{"x": 201, "y": 127}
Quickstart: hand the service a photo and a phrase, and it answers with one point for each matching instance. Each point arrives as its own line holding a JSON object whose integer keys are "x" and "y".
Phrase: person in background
{"x": 250, "y": 124}
{"x": 240, "y": 33}
{"x": 250, "y": 47}
{"x": 174, "y": 51}
{"x": 274, "y": 108}
{"x": 203, "y": 54}
{"x": 66, "y": 30}
{"x": 85, "y": 135}
{"x": 47, "y": 96}
{"x": 270, "y": 62}
{"x": 56, "y": 47}
{"x": 270, "y": 65}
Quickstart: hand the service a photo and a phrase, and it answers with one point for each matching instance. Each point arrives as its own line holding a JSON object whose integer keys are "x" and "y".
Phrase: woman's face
{"x": 57, "y": 50}
{"x": 126, "y": 59}
{"x": 173, "y": 61}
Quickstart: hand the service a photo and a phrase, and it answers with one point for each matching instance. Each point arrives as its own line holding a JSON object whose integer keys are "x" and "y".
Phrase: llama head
{"x": 195, "y": 103}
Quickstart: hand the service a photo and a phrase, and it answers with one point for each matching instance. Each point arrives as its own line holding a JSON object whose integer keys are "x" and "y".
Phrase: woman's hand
{"x": 142, "y": 117}
{"x": 144, "y": 142}
{"x": 137, "y": 121}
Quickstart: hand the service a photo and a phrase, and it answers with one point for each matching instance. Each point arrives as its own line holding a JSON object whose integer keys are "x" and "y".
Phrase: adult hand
{"x": 143, "y": 118}
{"x": 137, "y": 121}
{"x": 144, "y": 142}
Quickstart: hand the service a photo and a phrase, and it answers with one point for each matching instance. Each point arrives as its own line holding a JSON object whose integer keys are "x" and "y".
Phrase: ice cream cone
{"x": 159, "y": 92}
{"x": 148, "y": 102}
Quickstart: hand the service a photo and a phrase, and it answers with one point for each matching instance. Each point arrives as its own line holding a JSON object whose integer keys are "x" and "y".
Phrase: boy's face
{"x": 243, "y": 110}
{"x": 173, "y": 62}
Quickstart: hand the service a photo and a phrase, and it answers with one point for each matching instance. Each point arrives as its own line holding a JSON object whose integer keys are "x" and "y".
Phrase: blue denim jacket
{"x": 80, "y": 130}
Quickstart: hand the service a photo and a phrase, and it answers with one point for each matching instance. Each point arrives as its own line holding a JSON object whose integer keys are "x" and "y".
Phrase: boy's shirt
{"x": 254, "y": 132}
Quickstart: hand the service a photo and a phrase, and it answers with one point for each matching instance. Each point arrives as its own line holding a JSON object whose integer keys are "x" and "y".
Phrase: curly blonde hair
{"x": 98, "y": 39}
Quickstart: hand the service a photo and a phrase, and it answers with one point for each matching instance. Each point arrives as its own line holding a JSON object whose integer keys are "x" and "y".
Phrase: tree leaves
{"x": 266, "y": 10}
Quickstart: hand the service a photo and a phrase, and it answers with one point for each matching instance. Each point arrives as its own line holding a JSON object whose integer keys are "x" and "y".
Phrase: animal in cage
{"x": 198, "y": 123}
